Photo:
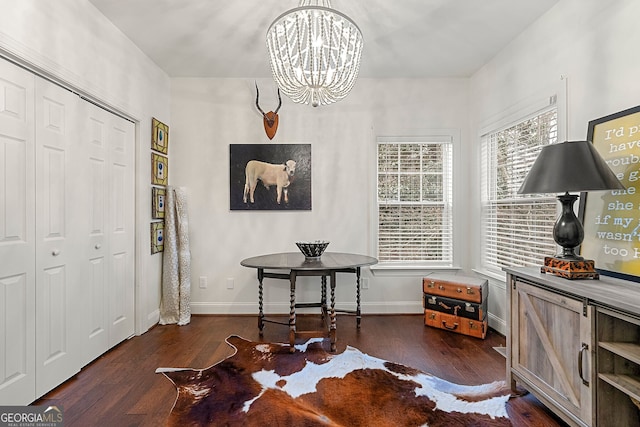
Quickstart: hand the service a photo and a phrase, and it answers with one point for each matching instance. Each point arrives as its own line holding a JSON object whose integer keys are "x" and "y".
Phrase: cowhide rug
{"x": 264, "y": 384}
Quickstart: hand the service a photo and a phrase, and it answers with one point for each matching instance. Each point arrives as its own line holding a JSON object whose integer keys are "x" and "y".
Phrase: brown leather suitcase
{"x": 456, "y": 307}
{"x": 460, "y": 325}
{"x": 457, "y": 287}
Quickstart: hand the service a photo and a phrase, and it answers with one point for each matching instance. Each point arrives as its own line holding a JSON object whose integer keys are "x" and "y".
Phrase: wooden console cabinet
{"x": 575, "y": 344}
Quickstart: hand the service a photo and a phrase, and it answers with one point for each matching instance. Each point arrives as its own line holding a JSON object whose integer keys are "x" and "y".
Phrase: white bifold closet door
{"x": 60, "y": 212}
{"x": 17, "y": 236}
{"x": 66, "y": 233}
{"x": 109, "y": 240}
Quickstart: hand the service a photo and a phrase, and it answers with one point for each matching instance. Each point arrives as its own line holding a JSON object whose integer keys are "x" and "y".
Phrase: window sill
{"x": 491, "y": 275}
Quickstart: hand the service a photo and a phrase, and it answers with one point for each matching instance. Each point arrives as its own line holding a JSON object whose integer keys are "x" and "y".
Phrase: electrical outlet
{"x": 230, "y": 283}
{"x": 364, "y": 283}
{"x": 203, "y": 282}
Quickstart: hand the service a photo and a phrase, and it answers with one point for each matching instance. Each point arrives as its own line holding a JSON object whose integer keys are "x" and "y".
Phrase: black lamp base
{"x": 570, "y": 269}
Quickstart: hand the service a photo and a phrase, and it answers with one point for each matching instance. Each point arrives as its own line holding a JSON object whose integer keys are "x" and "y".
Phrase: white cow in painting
{"x": 269, "y": 174}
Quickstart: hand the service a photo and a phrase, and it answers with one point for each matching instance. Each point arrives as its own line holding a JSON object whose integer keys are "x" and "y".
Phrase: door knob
{"x": 55, "y": 252}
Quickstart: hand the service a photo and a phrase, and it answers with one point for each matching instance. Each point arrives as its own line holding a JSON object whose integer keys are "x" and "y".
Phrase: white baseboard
{"x": 498, "y": 324}
{"x": 395, "y": 307}
{"x": 153, "y": 318}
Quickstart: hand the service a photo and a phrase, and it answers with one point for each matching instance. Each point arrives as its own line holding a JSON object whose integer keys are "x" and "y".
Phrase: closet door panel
{"x": 66, "y": 234}
{"x": 17, "y": 236}
{"x": 60, "y": 216}
{"x": 110, "y": 143}
{"x": 53, "y": 344}
{"x": 121, "y": 230}
{"x": 95, "y": 313}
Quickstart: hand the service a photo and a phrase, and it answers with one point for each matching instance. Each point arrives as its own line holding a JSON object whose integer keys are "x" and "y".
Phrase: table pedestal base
{"x": 328, "y": 312}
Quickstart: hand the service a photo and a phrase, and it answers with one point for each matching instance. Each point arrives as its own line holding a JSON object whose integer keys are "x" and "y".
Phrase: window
{"x": 517, "y": 229}
{"x": 414, "y": 200}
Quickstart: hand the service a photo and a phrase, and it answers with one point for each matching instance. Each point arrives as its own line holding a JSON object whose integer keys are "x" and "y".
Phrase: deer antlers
{"x": 270, "y": 119}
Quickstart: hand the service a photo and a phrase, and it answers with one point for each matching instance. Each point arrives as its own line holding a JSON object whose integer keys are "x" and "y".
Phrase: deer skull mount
{"x": 270, "y": 119}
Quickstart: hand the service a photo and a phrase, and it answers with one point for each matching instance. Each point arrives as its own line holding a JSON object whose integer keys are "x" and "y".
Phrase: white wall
{"x": 72, "y": 43}
{"x": 209, "y": 114}
{"x": 593, "y": 43}
{"x": 589, "y": 42}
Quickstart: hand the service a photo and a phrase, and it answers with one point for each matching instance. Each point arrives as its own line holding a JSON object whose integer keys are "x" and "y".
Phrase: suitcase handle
{"x": 470, "y": 291}
{"x": 451, "y": 328}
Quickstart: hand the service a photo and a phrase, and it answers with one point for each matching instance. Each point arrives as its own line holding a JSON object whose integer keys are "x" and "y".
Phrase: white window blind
{"x": 517, "y": 229}
{"x": 414, "y": 200}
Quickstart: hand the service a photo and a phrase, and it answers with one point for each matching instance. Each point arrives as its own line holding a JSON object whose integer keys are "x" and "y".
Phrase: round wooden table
{"x": 295, "y": 264}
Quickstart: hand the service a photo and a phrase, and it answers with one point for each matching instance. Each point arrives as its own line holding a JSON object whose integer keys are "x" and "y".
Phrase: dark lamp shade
{"x": 569, "y": 166}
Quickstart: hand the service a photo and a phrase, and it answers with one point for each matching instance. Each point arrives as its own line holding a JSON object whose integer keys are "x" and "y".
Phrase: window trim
{"x": 535, "y": 100}
{"x": 522, "y": 115}
{"x": 418, "y": 268}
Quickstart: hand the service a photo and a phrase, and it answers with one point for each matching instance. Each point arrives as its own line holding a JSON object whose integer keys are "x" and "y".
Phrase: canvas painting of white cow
{"x": 270, "y": 177}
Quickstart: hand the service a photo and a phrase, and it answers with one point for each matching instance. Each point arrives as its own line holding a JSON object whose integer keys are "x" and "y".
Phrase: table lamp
{"x": 564, "y": 167}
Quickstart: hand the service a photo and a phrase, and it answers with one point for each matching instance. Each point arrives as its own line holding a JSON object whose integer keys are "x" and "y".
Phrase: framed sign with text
{"x": 611, "y": 219}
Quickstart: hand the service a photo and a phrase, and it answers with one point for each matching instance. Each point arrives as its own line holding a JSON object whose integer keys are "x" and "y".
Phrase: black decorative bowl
{"x": 312, "y": 250}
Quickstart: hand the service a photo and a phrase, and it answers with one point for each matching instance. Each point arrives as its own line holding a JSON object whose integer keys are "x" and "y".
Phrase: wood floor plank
{"x": 121, "y": 387}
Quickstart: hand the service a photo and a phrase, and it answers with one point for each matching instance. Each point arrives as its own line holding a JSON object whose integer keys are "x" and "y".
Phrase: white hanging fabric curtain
{"x": 175, "y": 305}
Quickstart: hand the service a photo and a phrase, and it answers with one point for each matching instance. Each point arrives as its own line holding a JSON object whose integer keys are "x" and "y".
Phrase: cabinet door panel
{"x": 552, "y": 331}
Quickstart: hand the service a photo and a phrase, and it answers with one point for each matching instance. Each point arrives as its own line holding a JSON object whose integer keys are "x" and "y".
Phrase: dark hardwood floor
{"x": 121, "y": 388}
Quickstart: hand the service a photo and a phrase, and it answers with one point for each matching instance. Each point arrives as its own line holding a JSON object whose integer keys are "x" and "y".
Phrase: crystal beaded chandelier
{"x": 314, "y": 52}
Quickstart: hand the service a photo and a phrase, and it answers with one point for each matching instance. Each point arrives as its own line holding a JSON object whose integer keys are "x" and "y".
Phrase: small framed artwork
{"x": 270, "y": 177}
{"x": 159, "y": 169}
{"x": 159, "y": 136}
{"x": 157, "y": 203}
{"x": 157, "y": 237}
{"x": 611, "y": 219}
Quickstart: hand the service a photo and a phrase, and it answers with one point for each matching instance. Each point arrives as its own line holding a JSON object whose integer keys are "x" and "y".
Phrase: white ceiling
{"x": 403, "y": 38}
